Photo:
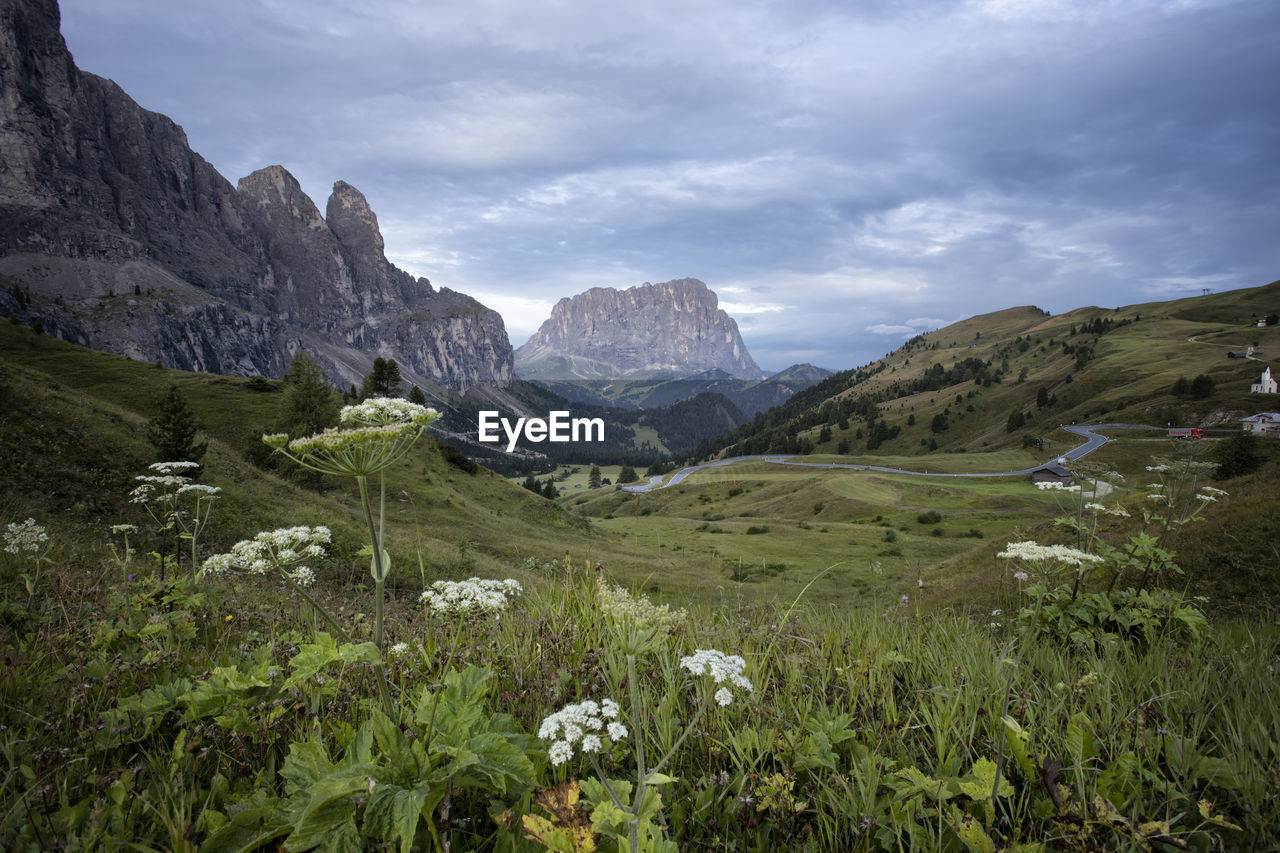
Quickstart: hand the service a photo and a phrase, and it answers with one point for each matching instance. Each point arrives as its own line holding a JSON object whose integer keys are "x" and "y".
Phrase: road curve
{"x": 1086, "y": 431}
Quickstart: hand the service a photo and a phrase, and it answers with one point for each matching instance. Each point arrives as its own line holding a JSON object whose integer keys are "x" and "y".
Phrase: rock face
{"x": 671, "y": 329}
{"x": 126, "y": 240}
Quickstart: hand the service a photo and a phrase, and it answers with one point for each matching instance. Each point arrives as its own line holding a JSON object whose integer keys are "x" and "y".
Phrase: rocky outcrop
{"x": 124, "y": 238}
{"x": 671, "y": 329}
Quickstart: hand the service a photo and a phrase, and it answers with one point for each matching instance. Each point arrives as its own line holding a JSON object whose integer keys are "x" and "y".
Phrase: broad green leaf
{"x": 919, "y": 783}
{"x": 392, "y": 813}
{"x": 330, "y": 805}
{"x": 981, "y": 779}
{"x": 249, "y": 829}
{"x": 306, "y": 764}
{"x": 312, "y": 658}
{"x": 659, "y": 779}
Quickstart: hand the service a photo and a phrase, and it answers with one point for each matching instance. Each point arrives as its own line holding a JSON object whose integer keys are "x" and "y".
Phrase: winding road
{"x": 1092, "y": 442}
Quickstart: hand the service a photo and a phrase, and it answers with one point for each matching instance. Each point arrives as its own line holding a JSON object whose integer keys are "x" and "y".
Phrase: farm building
{"x": 1051, "y": 472}
{"x": 1266, "y": 424}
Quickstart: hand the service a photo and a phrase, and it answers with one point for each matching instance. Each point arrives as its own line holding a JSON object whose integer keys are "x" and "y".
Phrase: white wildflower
{"x": 1207, "y": 498}
{"x": 172, "y": 467}
{"x": 275, "y": 549}
{"x": 378, "y": 411}
{"x": 398, "y": 650}
{"x": 724, "y": 670}
{"x": 1032, "y": 552}
{"x": 559, "y": 753}
{"x": 723, "y": 697}
{"x": 1158, "y": 468}
{"x": 609, "y": 708}
{"x": 1116, "y": 511}
{"x": 1212, "y": 491}
{"x": 27, "y": 536}
{"x": 580, "y": 724}
{"x": 1056, "y": 487}
{"x": 1020, "y": 576}
{"x": 470, "y": 597}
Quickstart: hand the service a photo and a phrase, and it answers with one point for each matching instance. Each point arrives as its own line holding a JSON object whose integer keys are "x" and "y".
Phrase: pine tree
{"x": 172, "y": 431}
{"x": 549, "y": 490}
{"x": 627, "y": 475}
{"x": 416, "y": 396}
{"x": 594, "y": 478}
{"x": 309, "y": 404}
{"x": 383, "y": 381}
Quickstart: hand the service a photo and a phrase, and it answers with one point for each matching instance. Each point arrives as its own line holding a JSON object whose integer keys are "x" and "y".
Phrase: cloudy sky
{"x": 842, "y": 174}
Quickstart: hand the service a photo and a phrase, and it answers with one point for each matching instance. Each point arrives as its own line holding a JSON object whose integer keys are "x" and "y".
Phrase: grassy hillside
{"x": 1094, "y": 365}
{"x": 71, "y": 433}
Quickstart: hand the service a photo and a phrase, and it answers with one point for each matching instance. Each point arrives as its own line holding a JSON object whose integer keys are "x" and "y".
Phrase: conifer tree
{"x": 172, "y": 432}
{"x": 594, "y": 478}
{"x": 309, "y": 404}
{"x": 383, "y": 381}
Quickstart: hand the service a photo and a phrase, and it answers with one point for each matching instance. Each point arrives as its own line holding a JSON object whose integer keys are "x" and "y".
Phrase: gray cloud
{"x": 833, "y": 173}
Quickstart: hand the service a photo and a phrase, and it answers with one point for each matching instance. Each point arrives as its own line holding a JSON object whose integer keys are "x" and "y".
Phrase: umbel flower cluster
{"x": 281, "y": 549}
{"x": 376, "y": 433}
{"x": 27, "y": 536}
{"x": 1032, "y": 552}
{"x": 621, "y": 606}
{"x": 725, "y": 670}
{"x": 470, "y": 597}
{"x": 169, "y": 480}
{"x": 584, "y": 726}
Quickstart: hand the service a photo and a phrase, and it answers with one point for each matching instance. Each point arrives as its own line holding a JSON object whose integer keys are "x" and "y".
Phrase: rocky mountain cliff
{"x": 671, "y": 329}
{"x": 116, "y": 235}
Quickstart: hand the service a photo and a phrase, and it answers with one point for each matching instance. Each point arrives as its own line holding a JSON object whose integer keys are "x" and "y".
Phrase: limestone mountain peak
{"x": 673, "y": 328}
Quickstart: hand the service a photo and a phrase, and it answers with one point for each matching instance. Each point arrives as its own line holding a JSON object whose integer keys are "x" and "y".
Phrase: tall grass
{"x": 867, "y": 729}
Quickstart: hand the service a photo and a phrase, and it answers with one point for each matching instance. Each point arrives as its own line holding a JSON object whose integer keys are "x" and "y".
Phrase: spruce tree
{"x": 172, "y": 431}
{"x": 595, "y": 477}
{"x": 309, "y": 404}
{"x": 383, "y": 381}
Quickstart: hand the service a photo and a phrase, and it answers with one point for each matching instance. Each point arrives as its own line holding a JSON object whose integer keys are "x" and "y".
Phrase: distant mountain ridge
{"x": 750, "y": 396}
{"x": 672, "y": 329}
{"x": 122, "y": 238}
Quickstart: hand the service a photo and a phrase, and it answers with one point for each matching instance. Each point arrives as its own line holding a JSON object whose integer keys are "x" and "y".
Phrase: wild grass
{"x": 867, "y": 729}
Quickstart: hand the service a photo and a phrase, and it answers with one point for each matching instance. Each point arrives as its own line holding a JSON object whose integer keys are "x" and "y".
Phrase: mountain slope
{"x": 995, "y": 380}
{"x": 126, "y": 240}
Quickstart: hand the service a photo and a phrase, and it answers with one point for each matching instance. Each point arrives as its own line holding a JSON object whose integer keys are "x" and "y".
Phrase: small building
{"x": 1266, "y": 385}
{"x": 1265, "y": 424}
{"x": 1051, "y": 472}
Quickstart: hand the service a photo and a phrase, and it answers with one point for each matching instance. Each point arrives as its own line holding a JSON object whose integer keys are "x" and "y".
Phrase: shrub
{"x": 930, "y": 517}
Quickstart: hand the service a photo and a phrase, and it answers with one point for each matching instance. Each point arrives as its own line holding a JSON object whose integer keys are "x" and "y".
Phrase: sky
{"x": 843, "y": 175}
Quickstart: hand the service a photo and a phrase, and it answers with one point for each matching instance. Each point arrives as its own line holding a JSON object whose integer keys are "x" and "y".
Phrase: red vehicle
{"x": 1194, "y": 432}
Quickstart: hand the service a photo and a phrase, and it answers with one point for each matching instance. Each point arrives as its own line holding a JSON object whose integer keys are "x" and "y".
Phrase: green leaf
{"x": 392, "y": 812}
{"x": 919, "y": 783}
{"x": 312, "y": 658}
{"x": 249, "y": 829}
{"x": 330, "y": 805}
{"x": 306, "y": 764}
{"x": 981, "y": 779}
{"x": 970, "y": 832}
{"x": 1080, "y": 740}
{"x": 1019, "y": 741}
{"x": 659, "y": 779}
